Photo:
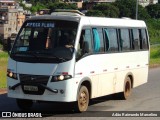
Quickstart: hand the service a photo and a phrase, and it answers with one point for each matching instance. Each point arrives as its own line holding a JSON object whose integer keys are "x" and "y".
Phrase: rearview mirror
{"x": 9, "y": 45}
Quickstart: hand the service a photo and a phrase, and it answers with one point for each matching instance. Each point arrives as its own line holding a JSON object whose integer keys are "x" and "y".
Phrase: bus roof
{"x": 93, "y": 21}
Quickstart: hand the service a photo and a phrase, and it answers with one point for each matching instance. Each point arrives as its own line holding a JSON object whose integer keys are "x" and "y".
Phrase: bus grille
{"x": 34, "y": 80}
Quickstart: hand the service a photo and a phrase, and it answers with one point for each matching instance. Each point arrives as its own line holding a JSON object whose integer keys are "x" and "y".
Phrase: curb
{"x": 3, "y": 91}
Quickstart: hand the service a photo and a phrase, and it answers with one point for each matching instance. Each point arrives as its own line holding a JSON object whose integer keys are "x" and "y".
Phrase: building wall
{"x": 12, "y": 21}
{"x": 20, "y": 20}
{"x": 7, "y": 4}
{"x": 153, "y": 1}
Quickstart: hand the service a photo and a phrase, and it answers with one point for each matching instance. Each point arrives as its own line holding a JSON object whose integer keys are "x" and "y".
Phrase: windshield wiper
{"x": 50, "y": 55}
{"x": 60, "y": 58}
{"x": 22, "y": 53}
{"x": 38, "y": 55}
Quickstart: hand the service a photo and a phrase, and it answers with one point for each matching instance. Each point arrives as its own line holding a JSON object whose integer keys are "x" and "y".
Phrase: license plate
{"x": 30, "y": 88}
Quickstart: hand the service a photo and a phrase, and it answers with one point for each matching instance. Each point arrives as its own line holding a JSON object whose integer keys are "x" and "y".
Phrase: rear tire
{"x": 83, "y": 99}
{"x": 127, "y": 89}
{"x": 24, "y": 104}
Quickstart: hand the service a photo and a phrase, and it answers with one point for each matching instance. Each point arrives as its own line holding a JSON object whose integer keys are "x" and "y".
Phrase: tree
{"x": 103, "y": 10}
{"x": 154, "y": 10}
{"x": 96, "y": 13}
{"x": 58, "y": 5}
{"x": 107, "y": 9}
{"x": 143, "y": 14}
{"x": 127, "y": 8}
{"x": 37, "y": 7}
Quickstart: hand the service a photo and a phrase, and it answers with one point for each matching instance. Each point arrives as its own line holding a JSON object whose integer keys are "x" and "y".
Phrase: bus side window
{"x": 143, "y": 39}
{"x": 111, "y": 39}
{"x": 98, "y": 40}
{"x": 124, "y": 39}
{"x": 85, "y": 43}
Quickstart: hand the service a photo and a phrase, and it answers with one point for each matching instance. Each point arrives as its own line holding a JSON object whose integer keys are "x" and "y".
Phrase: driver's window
{"x": 85, "y": 43}
{"x": 22, "y": 43}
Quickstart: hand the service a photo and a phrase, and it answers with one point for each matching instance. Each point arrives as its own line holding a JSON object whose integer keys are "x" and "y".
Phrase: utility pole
{"x": 137, "y": 10}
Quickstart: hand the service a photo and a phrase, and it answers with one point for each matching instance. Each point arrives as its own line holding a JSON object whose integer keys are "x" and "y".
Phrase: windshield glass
{"x": 45, "y": 41}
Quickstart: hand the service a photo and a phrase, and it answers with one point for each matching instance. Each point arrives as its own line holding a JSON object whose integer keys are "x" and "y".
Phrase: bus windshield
{"x": 45, "y": 41}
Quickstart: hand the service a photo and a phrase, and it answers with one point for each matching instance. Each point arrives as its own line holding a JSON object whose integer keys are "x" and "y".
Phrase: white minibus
{"x": 69, "y": 57}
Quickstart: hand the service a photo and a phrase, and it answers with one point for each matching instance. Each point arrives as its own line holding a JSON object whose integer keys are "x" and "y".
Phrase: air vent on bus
{"x": 126, "y": 18}
{"x": 67, "y": 12}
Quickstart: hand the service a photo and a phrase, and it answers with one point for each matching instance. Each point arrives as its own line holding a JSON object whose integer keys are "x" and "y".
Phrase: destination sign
{"x": 40, "y": 24}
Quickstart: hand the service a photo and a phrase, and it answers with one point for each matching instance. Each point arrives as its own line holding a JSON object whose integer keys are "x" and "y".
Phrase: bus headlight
{"x": 11, "y": 74}
{"x": 60, "y": 78}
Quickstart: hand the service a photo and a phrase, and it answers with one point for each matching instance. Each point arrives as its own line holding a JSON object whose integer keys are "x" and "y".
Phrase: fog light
{"x": 10, "y": 74}
{"x": 61, "y": 91}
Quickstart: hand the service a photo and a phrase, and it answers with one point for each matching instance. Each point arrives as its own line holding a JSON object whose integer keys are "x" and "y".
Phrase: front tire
{"x": 83, "y": 99}
{"x": 24, "y": 104}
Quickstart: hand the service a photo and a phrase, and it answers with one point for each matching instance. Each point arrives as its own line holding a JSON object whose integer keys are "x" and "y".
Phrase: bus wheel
{"x": 83, "y": 99}
{"x": 24, "y": 104}
{"x": 127, "y": 89}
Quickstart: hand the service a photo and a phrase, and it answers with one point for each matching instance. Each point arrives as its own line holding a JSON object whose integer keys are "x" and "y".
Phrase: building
{"x": 7, "y": 4}
{"x": 78, "y": 4}
{"x": 20, "y": 18}
{"x": 8, "y": 24}
{"x": 153, "y": 1}
{"x": 11, "y": 19}
{"x": 144, "y": 2}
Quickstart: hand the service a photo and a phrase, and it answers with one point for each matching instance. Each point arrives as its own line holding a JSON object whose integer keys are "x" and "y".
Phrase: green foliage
{"x": 37, "y": 7}
{"x": 95, "y": 13}
{"x": 154, "y": 30}
{"x": 3, "y": 68}
{"x": 107, "y": 9}
{"x": 143, "y": 14}
{"x": 155, "y": 56}
{"x": 120, "y": 8}
{"x": 155, "y": 52}
{"x": 58, "y": 5}
{"x": 104, "y": 10}
{"x": 154, "y": 10}
{"x": 48, "y": 4}
{"x": 127, "y": 8}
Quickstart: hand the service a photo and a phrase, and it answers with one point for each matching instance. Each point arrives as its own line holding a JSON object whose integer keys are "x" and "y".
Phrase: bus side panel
{"x": 86, "y": 68}
{"x": 135, "y": 64}
{"x": 100, "y": 70}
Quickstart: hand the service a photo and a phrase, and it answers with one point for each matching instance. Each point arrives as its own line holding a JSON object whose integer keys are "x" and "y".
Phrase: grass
{"x": 3, "y": 68}
{"x": 155, "y": 56}
{"x": 154, "y": 61}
